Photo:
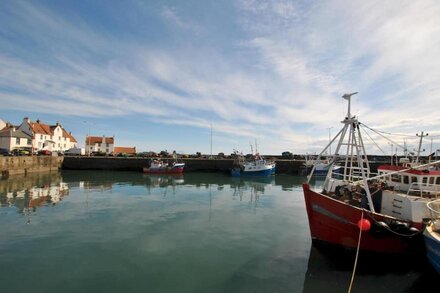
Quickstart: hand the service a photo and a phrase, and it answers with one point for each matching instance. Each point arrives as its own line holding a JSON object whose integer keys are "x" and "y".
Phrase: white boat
{"x": 411, "y": 178}
{"x": 319, "y": 167}
{"x": 257, "y": 166}
{"x": 160, "y": 167}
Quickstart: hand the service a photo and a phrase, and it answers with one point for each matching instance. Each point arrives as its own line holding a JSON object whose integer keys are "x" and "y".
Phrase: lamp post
{"x": 88, "y": 138}
{"x": 392, "y": 147}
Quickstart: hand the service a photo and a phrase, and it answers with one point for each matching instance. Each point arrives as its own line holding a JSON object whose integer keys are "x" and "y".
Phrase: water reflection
{"x": 330, "y": 270}
{"x": 250, "y": 189}
{"x": 27, "y": 193}
{"x": 153, "y": 180}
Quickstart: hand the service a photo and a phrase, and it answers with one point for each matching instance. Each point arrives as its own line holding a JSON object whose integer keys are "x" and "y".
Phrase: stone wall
{"x": 25, "y": 164}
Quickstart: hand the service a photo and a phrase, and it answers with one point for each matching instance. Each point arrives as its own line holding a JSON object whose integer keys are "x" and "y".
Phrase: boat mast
{"x": 420, "y": 145}
{"x": 356, "y": 163}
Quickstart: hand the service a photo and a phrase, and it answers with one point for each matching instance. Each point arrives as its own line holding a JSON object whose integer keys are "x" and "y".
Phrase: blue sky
{"x": 158, "y": 74}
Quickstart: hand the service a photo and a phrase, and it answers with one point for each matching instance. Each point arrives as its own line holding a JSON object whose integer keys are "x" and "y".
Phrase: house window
{"x": 59, "y": 137}
{"x": 41, "y": 137}
{"x": 29, "y": 141}
{"x": 64, "y": 145}
{"x": 106, "y": 150}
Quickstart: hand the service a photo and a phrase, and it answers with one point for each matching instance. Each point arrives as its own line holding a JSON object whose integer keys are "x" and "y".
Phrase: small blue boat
{"x": 255, "y": 167}
{"x": 431, "y": 235}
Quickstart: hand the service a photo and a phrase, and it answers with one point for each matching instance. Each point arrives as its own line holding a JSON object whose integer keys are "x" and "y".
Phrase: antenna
{"x": 348, "y": 98}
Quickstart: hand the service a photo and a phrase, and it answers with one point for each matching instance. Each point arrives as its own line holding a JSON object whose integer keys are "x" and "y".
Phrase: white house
{"x": 48, "y": 137}
{"x": 100, "y": 144}
{"x": 12, "y": 138}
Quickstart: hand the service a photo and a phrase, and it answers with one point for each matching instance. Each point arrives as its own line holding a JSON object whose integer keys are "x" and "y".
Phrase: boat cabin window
{"x": 413, "y": 179}
{"x": 406, "y": 179}
{"x": 395, "y": 178}
{"x": 424, "y": 180}
{"x": 437, "y": 181}
{"x": 431, "y": 180}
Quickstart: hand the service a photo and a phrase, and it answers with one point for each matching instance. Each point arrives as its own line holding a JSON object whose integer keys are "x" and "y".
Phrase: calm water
{"x": 203, "y": 232}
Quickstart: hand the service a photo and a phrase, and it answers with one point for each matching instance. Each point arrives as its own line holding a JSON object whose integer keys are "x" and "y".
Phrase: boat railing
{"x": 434, "y": 212}
{"x": 424, "y": 189}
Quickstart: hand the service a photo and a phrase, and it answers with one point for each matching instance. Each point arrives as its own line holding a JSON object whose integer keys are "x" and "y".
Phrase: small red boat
{"x": 159, "y": 167}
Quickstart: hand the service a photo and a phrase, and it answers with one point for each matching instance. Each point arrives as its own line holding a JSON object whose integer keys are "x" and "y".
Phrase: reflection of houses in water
{"x": 52, "y": 193}
{"x": 26, "y": 193}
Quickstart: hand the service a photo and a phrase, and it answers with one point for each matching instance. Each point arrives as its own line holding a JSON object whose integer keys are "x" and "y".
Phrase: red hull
{"x": 163, "y": 171}
{"x": 335, "y": 222}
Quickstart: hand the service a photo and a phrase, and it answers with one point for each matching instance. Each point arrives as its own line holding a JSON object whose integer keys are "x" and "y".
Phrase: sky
{"x": 176, "y": 75}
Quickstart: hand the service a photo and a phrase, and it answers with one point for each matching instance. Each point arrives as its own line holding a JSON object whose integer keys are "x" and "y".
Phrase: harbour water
{"x": 96, "y": 231}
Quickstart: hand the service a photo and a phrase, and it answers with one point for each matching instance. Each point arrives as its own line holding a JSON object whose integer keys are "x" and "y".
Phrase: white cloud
{"x": 302, "y": 58}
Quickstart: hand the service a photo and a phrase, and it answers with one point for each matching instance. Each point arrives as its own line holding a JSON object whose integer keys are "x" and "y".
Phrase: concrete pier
{"x": 25, "y": 164}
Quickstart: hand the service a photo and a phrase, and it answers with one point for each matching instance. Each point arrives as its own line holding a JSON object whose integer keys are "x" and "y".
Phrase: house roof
{"x": 124, "y": 150}
{"x": 41, "y": 128}
{"x": 12, "y": 132}
{"x": 99, "y": 139}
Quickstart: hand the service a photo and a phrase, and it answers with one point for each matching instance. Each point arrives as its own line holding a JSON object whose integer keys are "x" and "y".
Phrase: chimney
{"x": 26, "y": 119}
{"x": 38, "y": 121}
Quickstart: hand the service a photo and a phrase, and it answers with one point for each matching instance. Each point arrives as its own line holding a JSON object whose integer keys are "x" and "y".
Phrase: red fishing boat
{"x": 160, "y": 167}
{"x": 358, "y": 210}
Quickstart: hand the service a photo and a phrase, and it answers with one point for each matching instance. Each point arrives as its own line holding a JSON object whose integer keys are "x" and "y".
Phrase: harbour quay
{"x": 10, "y": 165}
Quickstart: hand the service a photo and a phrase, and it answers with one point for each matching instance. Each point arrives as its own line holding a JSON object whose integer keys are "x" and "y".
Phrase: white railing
{"x": 434, "y": 209}
{"x": 424, "y": 188}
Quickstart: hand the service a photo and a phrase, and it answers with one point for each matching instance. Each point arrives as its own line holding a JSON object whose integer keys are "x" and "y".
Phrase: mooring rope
{"x": 357, "y": 253}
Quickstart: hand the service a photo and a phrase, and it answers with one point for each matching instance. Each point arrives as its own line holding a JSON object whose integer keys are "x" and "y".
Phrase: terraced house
{"x": 47, "y": 137}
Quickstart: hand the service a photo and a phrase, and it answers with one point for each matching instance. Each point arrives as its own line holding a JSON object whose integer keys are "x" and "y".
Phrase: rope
{"x": 357, "y": 254}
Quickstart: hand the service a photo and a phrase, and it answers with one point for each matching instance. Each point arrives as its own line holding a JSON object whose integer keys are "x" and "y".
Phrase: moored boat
{"x": 320, "y": 168}
{"x": 160, "y": 167}
{"x": 432, "y": 235}
{"x": 258, "y": 166}
{"x": 355, "y": 202}
{"x": 410, "y": 177}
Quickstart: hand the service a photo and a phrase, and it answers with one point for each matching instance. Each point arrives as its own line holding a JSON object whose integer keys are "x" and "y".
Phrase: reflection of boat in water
{"x": 162, "y": 180}
{"x": 432, "y": 235}
{"x": 254, "y": 186}
{"x": 330, "y": 269}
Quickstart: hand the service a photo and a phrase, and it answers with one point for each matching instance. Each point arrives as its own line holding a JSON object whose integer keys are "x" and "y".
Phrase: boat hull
{"x": 165, "y": 170}
{"x": 265, "y": 172}
{"x": 432, "y": 243}
{"x": 336, "y": 222}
